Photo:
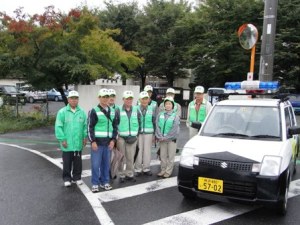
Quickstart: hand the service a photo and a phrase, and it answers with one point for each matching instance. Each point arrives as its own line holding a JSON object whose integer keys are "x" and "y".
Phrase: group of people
{"x": 124, "y": 127}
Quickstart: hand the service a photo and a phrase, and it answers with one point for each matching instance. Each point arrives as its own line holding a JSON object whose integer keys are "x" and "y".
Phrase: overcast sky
{"x": 37, "y": 6}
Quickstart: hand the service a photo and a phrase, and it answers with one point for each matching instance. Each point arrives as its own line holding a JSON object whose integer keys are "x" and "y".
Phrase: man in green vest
{"x": 129, "y": 124}
{"x": 167, "y": 130}
{"x": 102, "y": 133}
{"x": 112, "y": 98}
{"x": 71, "y": 132}
{"x": 142, "y": 163}
{"x": 197, "y": 110}
{"x": 149, "y": 90}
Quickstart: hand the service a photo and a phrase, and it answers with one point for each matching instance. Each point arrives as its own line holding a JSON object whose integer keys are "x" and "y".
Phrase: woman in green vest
{"x": 167, "y": 130}
{"x": 197, "y": 110}
{"x": 142, "y": 163}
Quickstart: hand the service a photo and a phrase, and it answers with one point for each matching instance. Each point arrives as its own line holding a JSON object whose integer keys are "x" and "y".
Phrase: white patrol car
{"x": 245, "y": 151}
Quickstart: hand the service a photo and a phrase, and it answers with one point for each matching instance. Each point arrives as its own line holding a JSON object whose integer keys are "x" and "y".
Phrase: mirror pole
{"x": 252, "y": 59}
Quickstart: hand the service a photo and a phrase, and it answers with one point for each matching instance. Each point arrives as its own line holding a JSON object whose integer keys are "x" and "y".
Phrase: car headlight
{"x": 187, "y": 157}
{"x": 270, "y": 166}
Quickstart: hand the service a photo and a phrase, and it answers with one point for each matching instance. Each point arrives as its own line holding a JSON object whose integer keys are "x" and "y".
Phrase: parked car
{"x": 246, "y": 151}
{"x": 54, "y": 95}
{"x": 10, "y": 95}
{"x": 33, "y": 95}
{"x": 295, "y": 101}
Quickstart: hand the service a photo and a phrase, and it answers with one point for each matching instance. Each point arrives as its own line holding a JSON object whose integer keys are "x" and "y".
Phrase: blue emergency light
{"x": 252, "y": 85}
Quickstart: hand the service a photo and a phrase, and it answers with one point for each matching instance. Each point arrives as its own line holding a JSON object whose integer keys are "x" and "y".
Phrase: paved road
{"x": 33, "y": 186}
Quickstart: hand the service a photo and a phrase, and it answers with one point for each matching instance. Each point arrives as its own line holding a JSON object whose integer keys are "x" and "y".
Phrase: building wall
{"x": 14, "y": 82}
{"x": 88, "y": 94}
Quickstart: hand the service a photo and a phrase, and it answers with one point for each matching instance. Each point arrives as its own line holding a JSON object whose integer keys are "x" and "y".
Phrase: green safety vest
{"x": 197, "y": 116}
{"x": 128, "y": 127}
{"x": 153, "y": 103}
{"x": 147, "y": 123}
{"x": 104, "y": 128}
{"x": 166, "y": 125}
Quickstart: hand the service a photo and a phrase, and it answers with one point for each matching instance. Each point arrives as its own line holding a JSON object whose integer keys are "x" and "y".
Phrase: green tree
{"x": 60, "y": 50}
{"x": 214, "y": 51}
{"x": 158, "y": 40}
{"x": 287, "y": 43}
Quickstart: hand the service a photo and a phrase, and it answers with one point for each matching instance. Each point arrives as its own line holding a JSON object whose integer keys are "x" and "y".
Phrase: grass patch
{"x": 11, "y": 123}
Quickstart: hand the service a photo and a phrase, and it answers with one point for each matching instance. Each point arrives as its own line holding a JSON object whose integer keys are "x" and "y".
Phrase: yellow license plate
{"x": 209, "y": 184}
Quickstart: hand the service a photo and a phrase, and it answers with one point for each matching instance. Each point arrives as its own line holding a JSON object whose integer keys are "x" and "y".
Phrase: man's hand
{"x": 111, "y": 145}
{"x": 84, "y": 142}
{"x": 64, "y": 144}
{"x": 94, "y": 146}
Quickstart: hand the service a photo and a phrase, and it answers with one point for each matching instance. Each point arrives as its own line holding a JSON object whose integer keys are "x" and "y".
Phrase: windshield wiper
{"x": 264, "y": 136}
{"x": 231, "y": 134}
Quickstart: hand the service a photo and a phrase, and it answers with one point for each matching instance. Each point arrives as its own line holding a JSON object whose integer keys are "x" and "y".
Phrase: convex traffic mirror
{"x": 248, "y": 36}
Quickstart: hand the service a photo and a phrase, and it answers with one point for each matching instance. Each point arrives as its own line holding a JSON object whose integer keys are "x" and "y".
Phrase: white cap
{"x": 112, "y": 92}
{"x": 199, "y": 89}
{"x": 170, "y": 90}
{"x": 144, "y": 94}
{"x": 148, "y": 88}
{"x": 73, "y": 94}
{"x": 128, "y": 94}
{"x": 103, "y": 92}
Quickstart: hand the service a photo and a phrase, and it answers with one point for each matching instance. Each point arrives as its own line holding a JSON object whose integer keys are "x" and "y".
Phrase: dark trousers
{"x": 72, "y": 163}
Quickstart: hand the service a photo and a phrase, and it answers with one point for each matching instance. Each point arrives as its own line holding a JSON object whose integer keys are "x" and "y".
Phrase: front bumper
{"x": 238, "y": 186}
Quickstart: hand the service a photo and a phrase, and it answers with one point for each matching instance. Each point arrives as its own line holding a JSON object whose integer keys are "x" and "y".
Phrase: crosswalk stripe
{"x": 135, "y": 190}
{"x": 154, "y": 162}
{"x": 217, "y": 212}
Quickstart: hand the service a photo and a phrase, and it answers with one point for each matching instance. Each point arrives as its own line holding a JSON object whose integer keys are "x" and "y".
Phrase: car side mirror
{"x": 294, "y": 130}
{"x": 196, "y": 125}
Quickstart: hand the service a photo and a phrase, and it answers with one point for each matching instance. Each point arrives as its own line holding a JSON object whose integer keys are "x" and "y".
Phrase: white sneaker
{"x": 67, "y": 183}
{"x": 107, "y": 187}
{"x": 95, "y": 188}
{"x": 79, "y": 182}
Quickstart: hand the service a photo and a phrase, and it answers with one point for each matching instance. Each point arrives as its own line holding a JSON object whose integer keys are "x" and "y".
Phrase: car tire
{"x": 56, "y": 99}
{"x": 31, "y": 100}
{"x": 283, "y": 198}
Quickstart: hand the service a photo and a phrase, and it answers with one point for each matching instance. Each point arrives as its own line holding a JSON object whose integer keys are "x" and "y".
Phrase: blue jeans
{"x": 100, "y": 160}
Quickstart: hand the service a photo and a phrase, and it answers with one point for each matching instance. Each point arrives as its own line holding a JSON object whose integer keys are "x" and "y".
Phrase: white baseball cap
{"x": 128, "y": 94}
{"x": 170, "y": 90}
{"x": 103, "y": 92}
{"x": 199, "y": 89}
{"x": 148, "y": 88}
{"x": 73, "y": 94}
{"x": 144, "y": 94}
{"x": 112, "y": 92}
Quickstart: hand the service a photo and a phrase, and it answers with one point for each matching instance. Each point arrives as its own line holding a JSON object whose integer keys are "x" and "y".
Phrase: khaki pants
{"x": 128, "y": 150}
{"x": 143, "y": 159}
{"x": 193, "y": 132}
{"x": 167, "y": 155}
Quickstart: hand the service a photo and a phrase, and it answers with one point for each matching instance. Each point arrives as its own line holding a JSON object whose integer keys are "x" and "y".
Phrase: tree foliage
{"x": 287, "y": 43}
{"x": 54, "y": 50}
{"x": 215, "y": 53}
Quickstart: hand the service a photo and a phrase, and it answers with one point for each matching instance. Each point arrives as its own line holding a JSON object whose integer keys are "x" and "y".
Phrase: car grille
{"x": 236, "y": 166}
{"x": 237, "y": 189}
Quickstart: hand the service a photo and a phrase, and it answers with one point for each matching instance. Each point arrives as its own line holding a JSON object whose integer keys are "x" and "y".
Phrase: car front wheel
{"x": 282, "y": 204}
{"x": 56, "y": 99}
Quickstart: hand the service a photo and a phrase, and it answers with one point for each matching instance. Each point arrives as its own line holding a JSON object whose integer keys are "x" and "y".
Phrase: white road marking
{"x": 205, "y": 215}
{"x": 216, "y": 213}
{"x": 99, "y": 210}
{"x": 135, "y": 190}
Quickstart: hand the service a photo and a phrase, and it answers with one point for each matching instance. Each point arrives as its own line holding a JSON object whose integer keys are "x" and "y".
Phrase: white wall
{"x": 88, "y": 94}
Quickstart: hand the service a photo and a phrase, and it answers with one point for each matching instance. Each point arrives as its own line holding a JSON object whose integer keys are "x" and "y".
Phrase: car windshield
{"x": 10, "y": 89}
{"x": 255, "y": 122}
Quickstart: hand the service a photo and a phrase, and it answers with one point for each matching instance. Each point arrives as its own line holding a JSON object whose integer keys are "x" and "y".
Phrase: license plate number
{"x": 209, "y": 184}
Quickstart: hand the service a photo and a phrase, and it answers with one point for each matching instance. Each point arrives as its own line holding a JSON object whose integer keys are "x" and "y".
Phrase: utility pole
{"x": 268, "y": 37}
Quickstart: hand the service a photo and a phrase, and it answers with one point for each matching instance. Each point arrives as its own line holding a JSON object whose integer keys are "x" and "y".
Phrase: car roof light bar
{"x": 252, "y": 85}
